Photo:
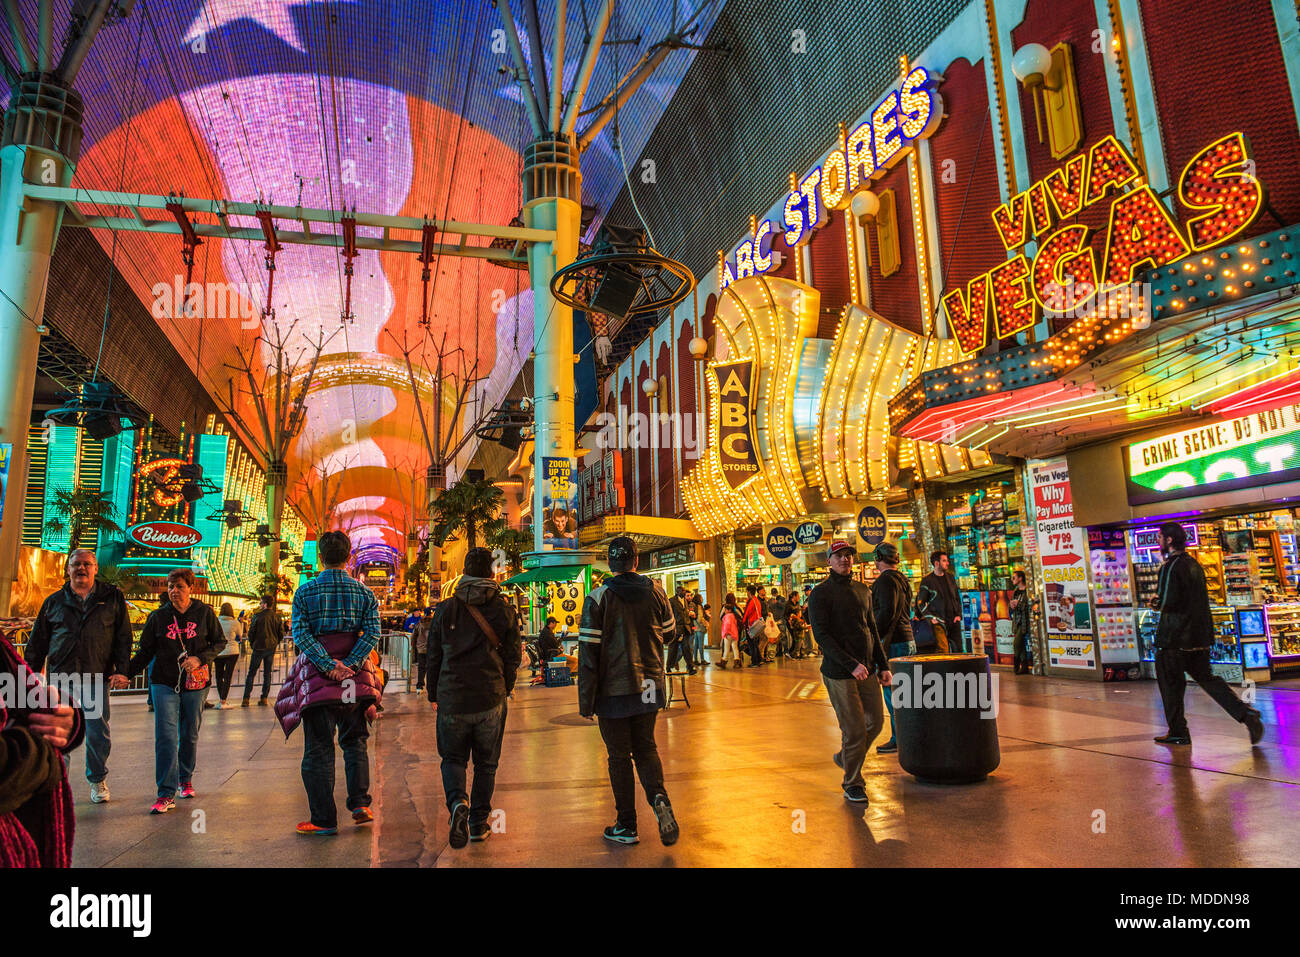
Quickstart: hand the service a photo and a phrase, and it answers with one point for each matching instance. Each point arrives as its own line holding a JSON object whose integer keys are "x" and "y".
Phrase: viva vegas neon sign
{"x": 907, "y": 114}
{"x": 1217, "y": 186}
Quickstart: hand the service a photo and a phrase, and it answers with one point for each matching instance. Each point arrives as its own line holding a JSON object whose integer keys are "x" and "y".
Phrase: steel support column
{"x": 552, "y": 186}
{"x": 40, "y": 144}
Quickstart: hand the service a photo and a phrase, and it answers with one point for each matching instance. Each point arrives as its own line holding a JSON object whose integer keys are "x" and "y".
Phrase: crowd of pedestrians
{"x": 467, "y": 652}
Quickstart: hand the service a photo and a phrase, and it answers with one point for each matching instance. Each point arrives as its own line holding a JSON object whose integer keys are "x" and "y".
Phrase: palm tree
{"x": 125, "y": 577}
{"x": 83, "y": 510}
{"x": 467, "y": 506}
{"x": 514, "y": 542}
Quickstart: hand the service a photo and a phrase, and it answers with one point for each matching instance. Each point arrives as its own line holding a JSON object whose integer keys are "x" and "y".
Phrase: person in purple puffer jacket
{"x": 333, "y": 685}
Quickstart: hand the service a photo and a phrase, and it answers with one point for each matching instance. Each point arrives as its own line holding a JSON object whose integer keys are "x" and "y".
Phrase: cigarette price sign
{"x": 1063, "y": 553}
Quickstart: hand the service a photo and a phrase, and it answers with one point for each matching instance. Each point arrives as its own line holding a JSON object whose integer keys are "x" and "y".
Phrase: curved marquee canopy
{"x": 385, "y": 106}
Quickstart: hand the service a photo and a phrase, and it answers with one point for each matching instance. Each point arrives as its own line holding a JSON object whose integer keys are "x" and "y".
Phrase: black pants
{"x": 460, "y": 737}
{"x": 225, "y": 671}
{"x": 627, "y": 740}
{"x": 681, "y": 646}
{"x": 258, "y": 659}
{"x": 422, "y": 663}
{"x": 1022, "y": 652}
{"x": 1171, "y": 664}
{"x": 318, "y": 725}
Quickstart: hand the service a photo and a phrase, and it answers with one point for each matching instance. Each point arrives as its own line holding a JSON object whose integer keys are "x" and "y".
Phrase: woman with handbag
{"x": 180, "y": 640}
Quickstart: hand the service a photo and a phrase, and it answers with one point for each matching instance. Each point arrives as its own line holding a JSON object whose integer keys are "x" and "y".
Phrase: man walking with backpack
{"x": 265, "y": 633}
{"x": 854, "y": 666}
{"x": 621, "y": 683}
{"x": 891, "y": 608}
{"x": 474, "y": 653}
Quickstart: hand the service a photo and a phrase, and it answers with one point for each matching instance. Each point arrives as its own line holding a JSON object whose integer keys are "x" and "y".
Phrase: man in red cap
{"x": 854, "y": 665}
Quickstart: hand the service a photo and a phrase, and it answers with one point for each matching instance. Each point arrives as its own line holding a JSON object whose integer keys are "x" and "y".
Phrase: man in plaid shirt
{"x": 335, "y": 602}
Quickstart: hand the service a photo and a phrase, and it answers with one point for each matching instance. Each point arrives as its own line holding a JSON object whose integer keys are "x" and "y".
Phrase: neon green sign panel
{"x": 1251, "y": 450}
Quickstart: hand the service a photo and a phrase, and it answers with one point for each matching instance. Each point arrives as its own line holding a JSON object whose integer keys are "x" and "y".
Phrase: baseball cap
{"x": 886, "y": 552}
{"x": 622, "y": 549}
{"x": 839, "y": 548}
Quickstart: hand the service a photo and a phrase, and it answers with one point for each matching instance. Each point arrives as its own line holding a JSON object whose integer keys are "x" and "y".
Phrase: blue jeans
{"x": 264, "y": 659}
{"x": 896, "y": 650}
{"x": 699, "y": 646}
{"x": 460, "y": 735}
{"x": 98, "y": 744}
{"x": 318, "y": 726}
{"x": 176, "y": 720}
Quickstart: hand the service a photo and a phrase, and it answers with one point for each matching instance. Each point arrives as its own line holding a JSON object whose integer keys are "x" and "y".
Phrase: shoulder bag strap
{"x": 493, "y": 642}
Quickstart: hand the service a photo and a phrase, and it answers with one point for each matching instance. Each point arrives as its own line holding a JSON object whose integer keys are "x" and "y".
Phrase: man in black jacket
{"x": 1184, "y": 638}
{"x": 853, "y": 663}
{"x": 474, "y": 653}
{"x": 939, "y": 600}
{"x": 621, "y": 681}
{"x": 681, "y": 640}
{"x": 265, "y": 632}
{"x": 891, "y": 610}
{"x": 83, "y": 633}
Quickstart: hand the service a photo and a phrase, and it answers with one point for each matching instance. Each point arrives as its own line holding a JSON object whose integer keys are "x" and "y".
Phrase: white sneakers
{"x": 98, "y": 792}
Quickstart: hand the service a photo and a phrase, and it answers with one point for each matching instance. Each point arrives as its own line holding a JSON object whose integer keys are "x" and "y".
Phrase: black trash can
{"x": 945, "y": 717}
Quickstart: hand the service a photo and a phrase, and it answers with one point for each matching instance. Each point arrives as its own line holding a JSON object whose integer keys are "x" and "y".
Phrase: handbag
{"x": 198, "y": 678}
{"x": 757, "y": 629}
{"x": 923, "y": 634}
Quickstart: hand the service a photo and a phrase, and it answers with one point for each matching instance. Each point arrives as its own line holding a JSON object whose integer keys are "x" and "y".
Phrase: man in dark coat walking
{"x": 1184, "y": 638}
{"x": 854, "y": 666}
{"x": 891, "y": 609}
{"x": 474, "y": 653}
{"x": 621, "y": 682}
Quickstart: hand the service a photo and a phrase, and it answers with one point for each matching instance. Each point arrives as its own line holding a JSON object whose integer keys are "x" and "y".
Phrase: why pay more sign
{"x": 1063, "y": 552}
{"x": 1256, "y": 449}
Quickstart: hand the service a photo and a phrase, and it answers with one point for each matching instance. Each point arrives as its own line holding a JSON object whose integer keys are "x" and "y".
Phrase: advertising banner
{"x": 1063, "y": 551}
{"x": 559, "y": 504}
{"x": 737, "y": 454}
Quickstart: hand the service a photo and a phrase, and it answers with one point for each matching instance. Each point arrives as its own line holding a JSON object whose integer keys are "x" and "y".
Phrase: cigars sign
{"x": 167, "y": 536}
{"x": 1217, "y": 190}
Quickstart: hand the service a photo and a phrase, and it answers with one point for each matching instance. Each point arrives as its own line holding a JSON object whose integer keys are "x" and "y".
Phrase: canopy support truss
{"x": 125, "y": 211}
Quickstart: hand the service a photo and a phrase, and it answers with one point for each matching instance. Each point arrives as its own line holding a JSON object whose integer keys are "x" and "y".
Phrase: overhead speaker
{"x": 102, "y": 427}
{"x": 511, "y": 438}
{"x": 617, "y": 291}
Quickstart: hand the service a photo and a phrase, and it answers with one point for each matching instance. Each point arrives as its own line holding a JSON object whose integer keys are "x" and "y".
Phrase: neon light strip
{"x": 990, "y": 439}
{"x": 1256, "y": 396}
{"x": 1063, "y": 418}
{"x": 1072, "y": 406}
{"x": 1272, "y": 361}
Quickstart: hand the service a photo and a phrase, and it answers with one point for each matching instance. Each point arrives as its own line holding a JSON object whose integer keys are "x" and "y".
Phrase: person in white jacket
{"x": 233, "y": 629}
